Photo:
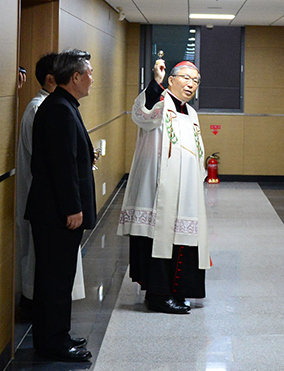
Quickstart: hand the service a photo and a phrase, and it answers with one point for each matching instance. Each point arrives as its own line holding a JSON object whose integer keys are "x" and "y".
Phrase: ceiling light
{"x": 211, "y": 16}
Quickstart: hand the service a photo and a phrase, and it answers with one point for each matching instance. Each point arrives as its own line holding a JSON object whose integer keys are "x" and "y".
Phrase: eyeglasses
{"x": 187, "y": 78}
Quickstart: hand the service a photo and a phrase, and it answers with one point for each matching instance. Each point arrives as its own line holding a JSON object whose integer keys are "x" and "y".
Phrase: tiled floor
{"x": 240, "y": 327}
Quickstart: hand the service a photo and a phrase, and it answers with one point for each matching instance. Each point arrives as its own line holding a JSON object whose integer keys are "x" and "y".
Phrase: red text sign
{"x": 215, "y": 129}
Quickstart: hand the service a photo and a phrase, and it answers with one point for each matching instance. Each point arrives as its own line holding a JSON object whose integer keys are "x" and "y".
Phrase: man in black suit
{"x": 61, "y": 204}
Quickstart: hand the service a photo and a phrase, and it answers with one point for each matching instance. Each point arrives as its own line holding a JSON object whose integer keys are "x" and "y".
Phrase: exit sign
{"x": 215, "y": 129}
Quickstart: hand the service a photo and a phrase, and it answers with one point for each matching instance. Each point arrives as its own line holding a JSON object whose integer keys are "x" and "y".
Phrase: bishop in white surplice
{"x": 164, "y": 198}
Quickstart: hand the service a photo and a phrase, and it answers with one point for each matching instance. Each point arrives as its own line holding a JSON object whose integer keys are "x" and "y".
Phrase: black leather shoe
{"x": 73, "y": 354}
{"x": 79, "y": 342}
{"x": 171, "y": 305}
{"x": 182, "y": 301}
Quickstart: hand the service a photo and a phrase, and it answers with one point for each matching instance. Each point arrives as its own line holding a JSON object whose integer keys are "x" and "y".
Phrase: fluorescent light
{"x": 216, "y": 367}
{"x": 211, "y": 16}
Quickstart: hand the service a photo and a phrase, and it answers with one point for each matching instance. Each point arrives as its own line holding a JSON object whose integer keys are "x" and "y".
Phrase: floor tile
{"x": 240, "y": 326}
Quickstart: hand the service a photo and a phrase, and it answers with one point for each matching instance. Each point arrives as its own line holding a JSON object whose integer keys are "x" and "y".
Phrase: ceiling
{"x": 247, "y": 12}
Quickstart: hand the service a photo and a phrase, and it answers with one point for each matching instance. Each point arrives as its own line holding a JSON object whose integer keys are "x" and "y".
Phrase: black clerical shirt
{"x": 153, "y": 95}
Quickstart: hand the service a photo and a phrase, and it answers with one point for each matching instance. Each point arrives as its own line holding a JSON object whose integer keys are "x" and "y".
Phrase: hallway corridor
{"x": 240, "y": 326}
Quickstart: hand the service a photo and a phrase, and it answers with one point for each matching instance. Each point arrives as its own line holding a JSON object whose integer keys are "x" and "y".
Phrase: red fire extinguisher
{"x": 212, "y": 167}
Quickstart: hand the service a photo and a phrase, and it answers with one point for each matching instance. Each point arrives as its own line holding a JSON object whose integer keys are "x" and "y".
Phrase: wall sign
{"x": 215, "y": 129}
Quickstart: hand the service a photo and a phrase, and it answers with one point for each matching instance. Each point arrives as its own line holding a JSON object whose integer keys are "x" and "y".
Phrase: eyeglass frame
{"x": 195, "y": 80}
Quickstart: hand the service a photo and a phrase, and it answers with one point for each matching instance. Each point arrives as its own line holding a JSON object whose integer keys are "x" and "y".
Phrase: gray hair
{"x": 175, "y": 70}
{"x": 67, "y": 63}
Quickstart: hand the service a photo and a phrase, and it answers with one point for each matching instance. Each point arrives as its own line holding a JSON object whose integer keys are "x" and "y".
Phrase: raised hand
{"x": 159, "y": 70}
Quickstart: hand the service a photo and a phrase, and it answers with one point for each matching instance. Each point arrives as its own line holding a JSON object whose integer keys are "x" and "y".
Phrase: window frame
{"x": 146, "y": 61}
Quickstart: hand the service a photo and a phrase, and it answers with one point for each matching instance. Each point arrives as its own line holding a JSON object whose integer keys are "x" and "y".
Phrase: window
{"x": 220, "y": 66}
{"x": 217, "y": 52}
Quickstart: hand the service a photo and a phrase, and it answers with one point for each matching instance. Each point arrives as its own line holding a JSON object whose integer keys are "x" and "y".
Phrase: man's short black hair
{"x": 45, "y": 66}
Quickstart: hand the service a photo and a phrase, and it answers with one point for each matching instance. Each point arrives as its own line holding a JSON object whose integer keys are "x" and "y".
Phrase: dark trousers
{"x": 56, "y": 252}
{"x": 179, "y": 277}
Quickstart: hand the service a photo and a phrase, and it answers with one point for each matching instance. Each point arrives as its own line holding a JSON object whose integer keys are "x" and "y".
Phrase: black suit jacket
{"x": 62, "y": 158}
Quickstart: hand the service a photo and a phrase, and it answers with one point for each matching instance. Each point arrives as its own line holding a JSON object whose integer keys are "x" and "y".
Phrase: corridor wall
{"x": 8, "y": 108}
{"x": 94, "y": 26}
{"x": 252, "y": 143}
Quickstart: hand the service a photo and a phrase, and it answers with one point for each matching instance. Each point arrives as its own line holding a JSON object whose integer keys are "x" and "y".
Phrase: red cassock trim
{"x": 178, "y": 269}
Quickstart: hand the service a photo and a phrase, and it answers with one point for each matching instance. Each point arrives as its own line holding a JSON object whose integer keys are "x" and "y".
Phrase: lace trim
{"x": 182, "y": 226}
{"x": 140, "y": 114}
{"x": 137, "y": 217}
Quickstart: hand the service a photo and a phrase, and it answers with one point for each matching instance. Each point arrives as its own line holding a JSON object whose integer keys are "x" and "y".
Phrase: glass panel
{"x": 177, "y": 43}
{"x": 220, "y": 61}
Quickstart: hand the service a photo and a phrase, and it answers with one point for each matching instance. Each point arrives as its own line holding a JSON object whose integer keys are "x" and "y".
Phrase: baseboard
{"x": 242, "y": 178}
{"x": 252, "y": 178}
